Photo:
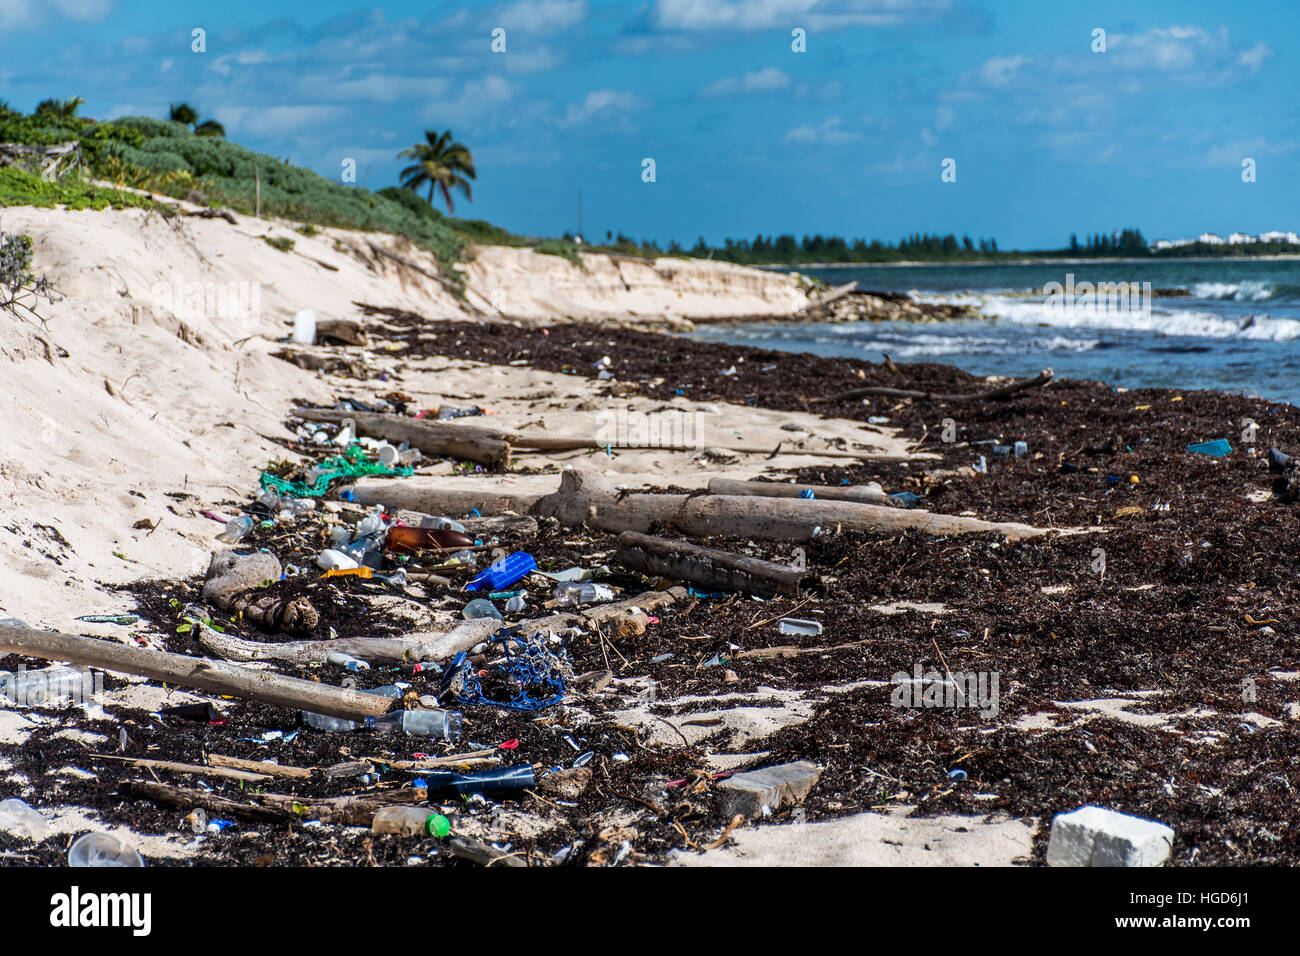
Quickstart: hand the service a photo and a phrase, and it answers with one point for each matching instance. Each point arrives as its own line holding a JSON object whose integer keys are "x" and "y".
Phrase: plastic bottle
{"x": 410, "y": 821}
{"x": 22, "y": 821}
{"x": 446, "y": 724}
{"x": 332, "y": 559}
{"x": 498, "y": 780}
{"x": 102, "y": 849}
{"x": 479, "y": 607}
{"x": 403, "y": 539}
{"x": 324, "y": 722}
{"x": 570, "y": 594}
{"x": 499, "y": 575}
{"x": 346, "y": 661}
{"x": 236, "y": 528}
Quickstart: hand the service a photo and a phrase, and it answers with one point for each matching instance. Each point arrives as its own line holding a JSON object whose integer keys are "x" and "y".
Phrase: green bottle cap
{"x": 437, "y": 825}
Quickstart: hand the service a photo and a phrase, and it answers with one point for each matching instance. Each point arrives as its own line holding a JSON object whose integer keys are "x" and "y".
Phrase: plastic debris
{"x": 531, "y": 678}
{"x": 480, "y": 608}
{"x": 17, "y": 818}
{"x": 102, "y": 849}
{"x": 794, "y": 625}
{"x": 499, "y": 575}
{"x": 1217, "y": 448}
{"x": 123, "y": 619}
{"x": 351, "y": 464}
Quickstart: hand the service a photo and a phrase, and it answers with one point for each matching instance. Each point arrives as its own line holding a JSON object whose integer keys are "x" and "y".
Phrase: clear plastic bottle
{"x": 22, "y": 821}
{"x": 236, "y": 528}
{"x": 346, "y": 661}
{"x": 324, "y": 722}
{"x": 446, "y": 724}
{"x": 571, "y": 594}
{"x": 410, "y": 821}
{"x": 480, "y": 607}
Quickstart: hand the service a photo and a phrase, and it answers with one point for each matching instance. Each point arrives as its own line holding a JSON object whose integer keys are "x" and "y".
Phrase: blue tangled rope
{"x": 536, "y": 676}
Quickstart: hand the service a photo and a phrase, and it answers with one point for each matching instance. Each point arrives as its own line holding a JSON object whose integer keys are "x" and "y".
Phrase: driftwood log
{"x": 215, "y": 677}
{"x": 373, "y": 649}
{"x": 446, "y": 439}
{"x": 588, "y": 497}
{"x": 989, "y": 395}
{"x": 493, "y": 447}
{"x": 232, "y": 585}
{"x": 707, "y": 567}
{"x": 780, "y": 489}
{"x": 356, "y": 810}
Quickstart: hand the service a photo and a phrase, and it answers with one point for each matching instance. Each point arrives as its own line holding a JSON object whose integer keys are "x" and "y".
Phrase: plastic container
{"x": 410, "y": 821}
{"x": 570, "y": 594}
{"x": 499, "y": 575}
{"x": 102, "y": 849}
{"x": 498, "y": 780}
{"x": 794, "y": 625}
{"x": 906, "y": 498}
{"x": 445, "y": 724}
{"x": 332, "y": 559}
{"x": 236, "y": 528}
{"x": 22, "y": 821}
{"x": 480, "y": 607}
{"x": 304, "y": 328}
{"x": 447, "y": 412}
{"x": 403, "y": 539}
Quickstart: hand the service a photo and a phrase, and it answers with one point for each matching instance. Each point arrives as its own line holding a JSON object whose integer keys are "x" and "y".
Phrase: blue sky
{"x": 747, "y": 135}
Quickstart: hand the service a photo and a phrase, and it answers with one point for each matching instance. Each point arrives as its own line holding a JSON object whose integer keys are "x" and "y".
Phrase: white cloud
{"x": 774, "y": 14}
{"x": 18, "y": 14}
{"x": 828, "y": 133}
{"x": 765, "y": 80}
{"x": 542, "y": 16}
{"x": 1254, "y": 58}
{"x": 602, "y": 103}
{"x": 1001, "y": 70}
{"x": 275, "y": 120}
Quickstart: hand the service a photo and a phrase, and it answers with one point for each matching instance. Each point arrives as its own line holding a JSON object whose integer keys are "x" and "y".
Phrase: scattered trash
{"x": 906, "y": 498}
{"x": 123, "y": 619}
{"x": 402, "y": 539}
{"x": 304, "y": 328}
{"x": 444, "y": 724}
{"x": 957, "y": 774}
{"x": 203, "y": 713}
{"x": 346, "y": 661}
{"x": 794, "y": 625}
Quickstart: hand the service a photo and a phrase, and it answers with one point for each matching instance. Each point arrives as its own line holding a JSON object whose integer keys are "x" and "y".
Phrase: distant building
{"x": 1277, "y": 236}
{"x": 1240, "y": 238}
{"x": 1210, "y": 239}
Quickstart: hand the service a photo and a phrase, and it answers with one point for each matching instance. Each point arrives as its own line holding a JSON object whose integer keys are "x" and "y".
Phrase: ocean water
{"x": 1238, "y": 330}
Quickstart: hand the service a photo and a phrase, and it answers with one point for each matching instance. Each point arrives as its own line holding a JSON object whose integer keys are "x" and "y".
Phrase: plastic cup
{"x": 102, "y": 849}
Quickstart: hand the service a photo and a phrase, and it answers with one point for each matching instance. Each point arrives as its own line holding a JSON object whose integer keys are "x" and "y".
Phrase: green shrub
{"x": 283, "y": 243}
{"x": 19, "y": 188}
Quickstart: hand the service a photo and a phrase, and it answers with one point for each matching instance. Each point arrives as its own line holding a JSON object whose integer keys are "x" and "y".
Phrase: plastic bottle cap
{"x": 437, "y": 825}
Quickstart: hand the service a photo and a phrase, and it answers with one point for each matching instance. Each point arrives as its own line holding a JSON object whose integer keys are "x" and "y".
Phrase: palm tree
{"x": 59, "y": 109}
{"x": 184, "y": 113}
{"x": 443, "y": 164}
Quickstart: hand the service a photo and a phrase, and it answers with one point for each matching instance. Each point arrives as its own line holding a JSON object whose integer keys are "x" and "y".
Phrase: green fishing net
{"x": 351, "y": 464}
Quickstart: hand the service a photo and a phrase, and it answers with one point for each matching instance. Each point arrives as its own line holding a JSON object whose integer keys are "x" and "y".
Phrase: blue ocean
{"x": 1237, "y": 329}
